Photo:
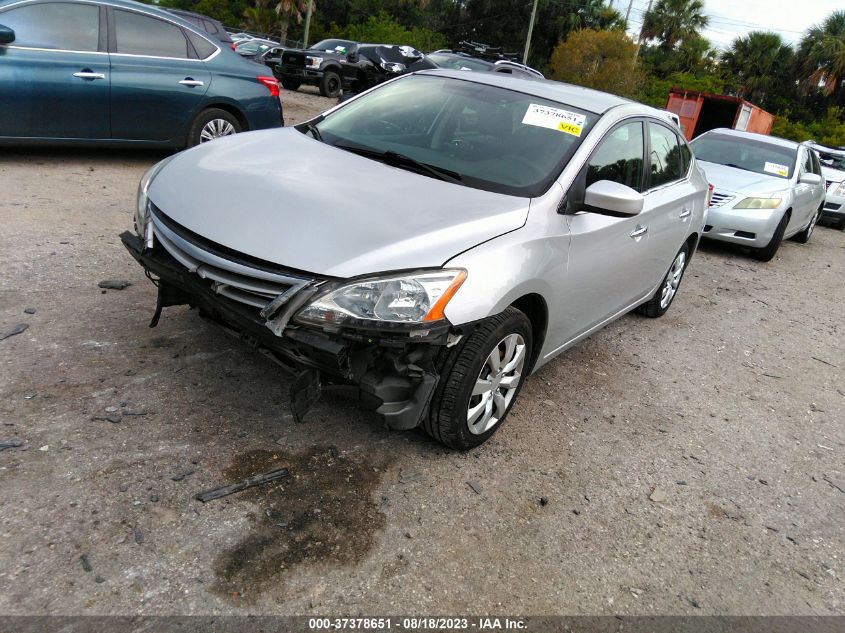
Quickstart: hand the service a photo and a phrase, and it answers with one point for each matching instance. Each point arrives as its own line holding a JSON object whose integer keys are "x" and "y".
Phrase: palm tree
{"x": 287, "y": 9}
{"x": 822, "y": 53}
{"x": 673, "y": 21}
{"x": 760, "y": 63}
{"x": 274, "y": 21}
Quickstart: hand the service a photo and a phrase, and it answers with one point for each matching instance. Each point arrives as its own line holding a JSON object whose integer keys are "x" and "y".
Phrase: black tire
{"x": 802, "y": 237}
{"x": 330, "y": 84}
{"x": 204, "y": 118}
{"x": 291, "y": 84}
{"x": 460, "y": 368}
{"x": 654, "y": 308}
{"x": 840, "y": 225}
{"x": 767, "y": 252}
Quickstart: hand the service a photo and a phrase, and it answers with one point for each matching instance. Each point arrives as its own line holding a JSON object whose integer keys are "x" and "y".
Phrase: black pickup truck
{"x": 320, "y": 65}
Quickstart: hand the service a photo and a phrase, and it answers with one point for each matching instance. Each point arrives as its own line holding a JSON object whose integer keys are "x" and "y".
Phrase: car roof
{"x": 582, "y": 98}
{"x": 827, "y": 150}
{"x": 753, "y": 136}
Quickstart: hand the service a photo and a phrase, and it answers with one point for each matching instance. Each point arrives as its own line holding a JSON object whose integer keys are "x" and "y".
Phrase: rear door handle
{"x": 639, "y": 231}
{"x": 88, "y": 74}
{"x": 191, "y": 82}
{"x": 685, "y": 213}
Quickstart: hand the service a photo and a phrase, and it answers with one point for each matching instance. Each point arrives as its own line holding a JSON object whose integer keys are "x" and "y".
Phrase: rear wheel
{"x": 290, "y": 84}
{"x": 480, "y": 379}
{"x": 662, "y": 299}
{"x": 804, "y": 236}
{"x": 330, "y": 84}
{"x": 767, "y": 252}
{"x": 840, "y": 224}
{"x": 212, "y": 124}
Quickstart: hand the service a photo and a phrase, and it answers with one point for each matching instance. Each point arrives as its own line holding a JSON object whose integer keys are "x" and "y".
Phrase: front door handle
{"x": 685, "y": 213}
{"x": 639, "y": 231}
{"x": 191, "y": 82}
{"x": 89, "y": 74}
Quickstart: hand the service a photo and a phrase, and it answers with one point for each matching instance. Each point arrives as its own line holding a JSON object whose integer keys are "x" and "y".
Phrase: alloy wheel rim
{"x": 673, "y": 280}
{"x": 496, "y": 385}
{"x": 216, "y": 128}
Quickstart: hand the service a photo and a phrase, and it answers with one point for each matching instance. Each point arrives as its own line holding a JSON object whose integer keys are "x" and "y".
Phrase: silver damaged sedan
{"x": 432, "y": 241}
{"x": 766, "y": 189}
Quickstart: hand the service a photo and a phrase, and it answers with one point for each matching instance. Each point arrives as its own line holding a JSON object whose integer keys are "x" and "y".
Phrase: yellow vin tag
{"x": 570, "y": 128}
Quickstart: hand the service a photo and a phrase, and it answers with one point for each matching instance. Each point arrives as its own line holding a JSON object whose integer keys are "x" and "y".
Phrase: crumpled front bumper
{"x": 749, "y": 227}
{"x": 395, "y": 374}
{"x": 834, "y": 207}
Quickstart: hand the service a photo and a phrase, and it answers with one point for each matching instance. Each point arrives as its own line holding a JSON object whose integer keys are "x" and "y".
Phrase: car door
{"x": 54, "y": 76}
{"x": 805, "y": 195}
{"x": 158, "y": 82}
{"x": 608, "y": 256}
{"x": 669, "y": 198}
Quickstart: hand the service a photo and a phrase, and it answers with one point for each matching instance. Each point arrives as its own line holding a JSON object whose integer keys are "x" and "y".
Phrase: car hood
{"x": 735, "y": 180}
{"x": 832, "y": 175}
{"x": 286, "y": 198}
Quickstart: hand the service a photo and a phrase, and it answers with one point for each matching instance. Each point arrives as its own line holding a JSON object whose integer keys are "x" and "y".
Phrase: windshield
{"x": 487, "y": 137}
{"x": 744, "y": 153}
{"x": 253, "y": 46}
{"x": 332, "y": 46}
{"x": 455, "y": 62}
{"x": 835, "y": 161}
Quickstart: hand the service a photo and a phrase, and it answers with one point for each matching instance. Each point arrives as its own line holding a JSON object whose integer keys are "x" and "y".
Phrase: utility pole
{"x": 307, "y": 24}
{"x": 642, "y": 26}
{"x": 530, "y": 29}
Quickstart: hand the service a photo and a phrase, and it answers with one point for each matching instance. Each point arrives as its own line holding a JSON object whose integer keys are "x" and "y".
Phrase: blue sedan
{"x": 117, "y": 72}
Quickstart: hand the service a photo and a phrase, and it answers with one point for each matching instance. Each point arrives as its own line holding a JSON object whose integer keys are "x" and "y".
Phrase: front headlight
{"x": 142, "y": 199}
{"x": 313, "y": 62}
{"x": 404, "y": 299}
{"x": 758, "y": 203}
{"x": 840, "y": 190}
{"x": 393, "y": 67}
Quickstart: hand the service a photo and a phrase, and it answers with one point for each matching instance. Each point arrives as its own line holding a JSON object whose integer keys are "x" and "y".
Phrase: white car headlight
{"x": 412, "y": 298}
{"x": 313, "y": 62}
{"x": 393, "y": 67}
{"x": 142, "y": 200}
{"x": 758, "y": 203}
{"x": 838, "y": 190}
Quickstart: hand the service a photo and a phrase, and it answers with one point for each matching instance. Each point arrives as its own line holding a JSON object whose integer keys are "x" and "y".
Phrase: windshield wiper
{"x": 311, "y": 126}
{"x": 395, "y": 159}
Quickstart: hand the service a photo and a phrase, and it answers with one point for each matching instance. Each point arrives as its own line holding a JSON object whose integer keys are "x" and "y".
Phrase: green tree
{"x": 671, "y": 22}
{"x": 822, "y": 54}
{"x": 385, "y": 29}
{"x": 761, "y": 64}
{"x": 603, "y": 60}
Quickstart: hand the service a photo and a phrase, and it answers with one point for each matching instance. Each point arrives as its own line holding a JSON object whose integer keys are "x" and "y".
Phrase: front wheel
{"x": 480, "y": 379}
{"x": 212, "y": 124}
{"x": 665, "y": 294}
{"x": 330, "y": 84}
{"x": 766, "y": 253}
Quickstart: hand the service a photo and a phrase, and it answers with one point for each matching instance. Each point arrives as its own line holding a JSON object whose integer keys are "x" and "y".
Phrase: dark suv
{"x": 320, "y": 65}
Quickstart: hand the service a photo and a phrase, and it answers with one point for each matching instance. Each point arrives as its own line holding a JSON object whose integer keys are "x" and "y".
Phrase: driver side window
{"x": 619, "y": 157}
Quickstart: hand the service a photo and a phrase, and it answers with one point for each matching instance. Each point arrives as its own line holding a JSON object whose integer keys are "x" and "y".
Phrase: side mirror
{"x": 7, "y": 35}
{"x": 352, "y": 57}
{"x": 613, "y": 198}
{"x": 810, "y": 179}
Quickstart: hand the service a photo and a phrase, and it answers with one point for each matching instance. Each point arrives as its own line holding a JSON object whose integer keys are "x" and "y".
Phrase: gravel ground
{"x": 687, "y": 465}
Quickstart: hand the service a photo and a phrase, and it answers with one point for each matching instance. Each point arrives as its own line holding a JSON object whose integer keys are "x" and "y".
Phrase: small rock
{"x": 658, "y": 496}
{"x": 99, "y": 579}
{"x": 13, "y": 443}
{"x": 408, "y": 476}
{"x": 29, "y": 310}
{"x": 576, "y": 511}
{"x": 86, "y": 564}
{"x": 476, "y": 487}
{"x": 114, "y": 284}
{"x": 635, "y": 591}
{"x": 549, "y": 403}
{"x": 408, "y": 535}
{"x": 154, "y": 498}
{"x": 17, "y": 329}
{"x": 181, "y": 476}
{"x": 138, "y": 534}
{"x": 681, "y": 482}
{"x": 111, "y": 409}
{"x": 123, "y": 487}
{"x": 763, "y": 481}
{"x": 46, "y": 447}
{"x": 695, "y": 603}
{"x": 544, "y": 501}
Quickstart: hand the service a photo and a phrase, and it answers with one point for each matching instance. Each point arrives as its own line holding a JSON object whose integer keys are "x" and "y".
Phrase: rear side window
{"x": 203, "y": 47}
{"x": 666, "y": 163}
{"x": 57, "y": 25}
{"x": 686, "y": 156}
{"x": 143, "y": 35}
{"x": 619, "y": 157}
{"x": 817, "y": 168}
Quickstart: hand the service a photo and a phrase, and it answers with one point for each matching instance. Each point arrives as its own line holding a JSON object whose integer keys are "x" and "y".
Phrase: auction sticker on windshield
{"x": 554, "y": 119}
{"x": 777, "y": 169}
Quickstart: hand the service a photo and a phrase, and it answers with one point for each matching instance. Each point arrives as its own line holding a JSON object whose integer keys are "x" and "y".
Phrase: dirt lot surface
{"x": 687, "y": 465}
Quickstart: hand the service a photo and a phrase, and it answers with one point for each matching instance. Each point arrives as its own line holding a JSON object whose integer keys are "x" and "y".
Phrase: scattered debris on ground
{"x": 17, "y": 329}
{"x": 255, "y": 480}
{"x": 114, "y": 284}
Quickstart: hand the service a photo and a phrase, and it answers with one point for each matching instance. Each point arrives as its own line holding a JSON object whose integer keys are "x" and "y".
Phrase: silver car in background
{"x": 765, "y": 189}
{"x": 432, "y": 241}
{"x": 833, "y": 171}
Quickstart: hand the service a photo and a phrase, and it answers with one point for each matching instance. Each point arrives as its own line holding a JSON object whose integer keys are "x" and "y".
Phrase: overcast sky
{"x": 730, "y": 19}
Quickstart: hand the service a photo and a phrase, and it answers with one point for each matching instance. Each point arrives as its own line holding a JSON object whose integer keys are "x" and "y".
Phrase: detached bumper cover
{"x": 396, "y": 373}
